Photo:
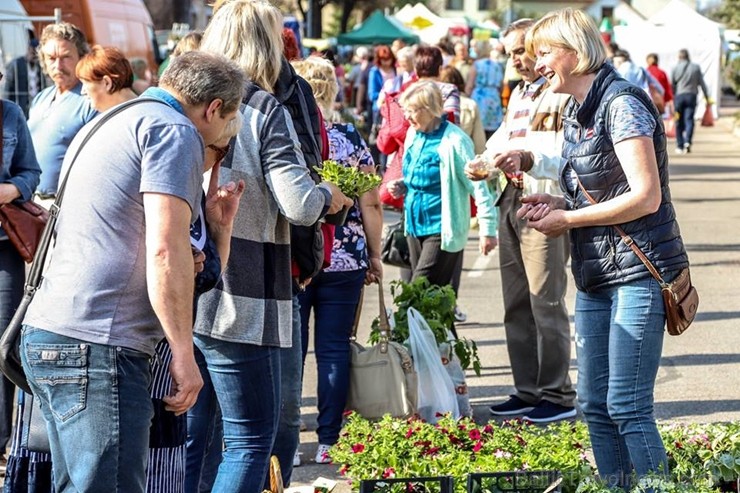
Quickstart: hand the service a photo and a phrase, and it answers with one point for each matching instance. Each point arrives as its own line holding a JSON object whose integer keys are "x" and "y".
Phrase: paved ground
{"x": 699, "y": 379}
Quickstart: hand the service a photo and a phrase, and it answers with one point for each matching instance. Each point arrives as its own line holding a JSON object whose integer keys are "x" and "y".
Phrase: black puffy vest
{"x": 599, "y": 257}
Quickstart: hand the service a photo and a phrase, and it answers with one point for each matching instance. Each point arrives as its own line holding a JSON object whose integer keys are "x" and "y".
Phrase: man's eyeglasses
{"x": 221, "y": 152}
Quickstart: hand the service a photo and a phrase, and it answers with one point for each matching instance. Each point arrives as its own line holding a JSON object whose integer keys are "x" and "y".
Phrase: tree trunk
{"x": 347, "y": 8}
{"x": 314, "y": 18}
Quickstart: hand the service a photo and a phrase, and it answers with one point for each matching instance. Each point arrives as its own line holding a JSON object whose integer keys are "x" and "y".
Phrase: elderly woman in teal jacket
{"x": 436, "y": 190}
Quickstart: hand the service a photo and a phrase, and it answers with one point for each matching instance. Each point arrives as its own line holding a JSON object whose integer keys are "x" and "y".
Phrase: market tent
{"x": 423, "y": 22}
{"x": 674, "y": 27}
{"x": 377, "y": 29}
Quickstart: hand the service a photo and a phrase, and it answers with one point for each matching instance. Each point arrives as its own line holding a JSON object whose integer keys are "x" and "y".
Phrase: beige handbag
{"x": 382, "y": 379}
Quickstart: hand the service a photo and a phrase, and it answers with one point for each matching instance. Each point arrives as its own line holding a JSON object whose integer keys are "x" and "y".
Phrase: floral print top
{"x": 347, "y": 147}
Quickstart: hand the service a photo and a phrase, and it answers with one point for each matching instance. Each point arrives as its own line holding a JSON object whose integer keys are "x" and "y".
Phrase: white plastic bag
{"x": 436, "y": 389}
{"x": 454, "y": 369}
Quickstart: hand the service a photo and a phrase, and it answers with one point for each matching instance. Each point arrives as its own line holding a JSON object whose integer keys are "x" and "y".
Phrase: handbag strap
{"x": 627, "y": 239}
{"x": 385, "y": 327}
{"x": 37, "y": 266}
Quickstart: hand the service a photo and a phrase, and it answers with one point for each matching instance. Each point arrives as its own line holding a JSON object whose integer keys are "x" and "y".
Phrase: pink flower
{"x": 474, "y": 434}
{"x": 409, "y": 432}
{"x": 357, "y": 448}
{"x": 431, "y": 451}
{"x": 343, "y": 470}
{"x": 488, "y": 429}
{"x": 478, "y": 445}
{"x": 521, "y": 441}
{"x": 502, "y": 454}
{"x": 389, "y": 473}
{"x": 348, "y": 413}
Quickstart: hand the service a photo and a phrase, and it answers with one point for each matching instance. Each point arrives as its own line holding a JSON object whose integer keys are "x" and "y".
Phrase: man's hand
{"x": 508, "y": 162}
{"x": 186, "y": 383}
{"x": 487, "y": 244}
{"x": 338, "y": 199}
{"x": 8, "y": 193}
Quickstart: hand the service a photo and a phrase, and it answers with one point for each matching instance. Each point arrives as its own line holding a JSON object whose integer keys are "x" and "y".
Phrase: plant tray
{"x": 439, "y": 484}
{"x": 515, "y": 482}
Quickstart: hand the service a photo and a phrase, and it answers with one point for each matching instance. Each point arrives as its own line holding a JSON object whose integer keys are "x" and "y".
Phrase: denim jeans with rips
{"x": 98, "y": 410}
{"x": 619, "y": 340}
{"x": 246, "y": 378}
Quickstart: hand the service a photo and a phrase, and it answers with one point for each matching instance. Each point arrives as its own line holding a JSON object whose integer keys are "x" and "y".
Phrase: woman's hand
{"x": 397, "y": 188}
{"x": 487, "y": 244}
{"x": 222, "y": 202}
{"x": 8, "y": 193}
{"x": 199, "y": 260}
{"x": 545, "y": 213}
{"x": 374, "y": 271}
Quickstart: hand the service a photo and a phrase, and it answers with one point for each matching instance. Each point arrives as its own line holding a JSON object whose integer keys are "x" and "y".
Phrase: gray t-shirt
{"x": 95, "y": 288}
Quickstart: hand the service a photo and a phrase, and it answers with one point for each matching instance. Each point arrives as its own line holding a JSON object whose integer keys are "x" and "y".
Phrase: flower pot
{"x": 338, "y": 218}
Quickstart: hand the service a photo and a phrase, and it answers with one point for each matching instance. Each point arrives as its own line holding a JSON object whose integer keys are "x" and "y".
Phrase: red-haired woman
{"x": 384, "y": 69}
{"x": 106, "y": 77}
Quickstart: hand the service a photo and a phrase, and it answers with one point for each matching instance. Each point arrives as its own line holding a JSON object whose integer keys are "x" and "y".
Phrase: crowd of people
{"x": 166, "y": 344}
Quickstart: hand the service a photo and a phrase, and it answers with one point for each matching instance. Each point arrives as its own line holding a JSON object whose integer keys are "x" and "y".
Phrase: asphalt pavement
{"x": 699, "y": 378}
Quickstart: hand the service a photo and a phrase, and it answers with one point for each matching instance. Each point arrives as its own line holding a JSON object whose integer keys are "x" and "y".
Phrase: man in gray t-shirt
{"x": 121, "y": 276}
{"x": 686, "y": 79}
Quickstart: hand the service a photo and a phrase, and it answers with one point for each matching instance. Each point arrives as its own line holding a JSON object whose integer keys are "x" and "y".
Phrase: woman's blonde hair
{"x": 423, "y": 95}
{"x": 248, "y": 32}
{"x": 572, "y": 30}
{"x": 319, "y": 73}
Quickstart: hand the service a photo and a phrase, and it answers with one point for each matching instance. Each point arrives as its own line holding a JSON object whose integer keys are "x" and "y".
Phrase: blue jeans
{"x": 685, "y": 105}
{"x": 12, "y": 276}
{"x": 291, "y": 378}
{"x": 98, "y": 410}
{"x": 333, "y": 296}
{"x": 246, "y": 379}
{"x": 205, "y": 435}
{"x": 619, "y": 339}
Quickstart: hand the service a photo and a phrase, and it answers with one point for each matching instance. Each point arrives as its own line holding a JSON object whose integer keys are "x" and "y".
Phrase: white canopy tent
{"x": 674, "y": 27}
{"x": 425, "y": 23}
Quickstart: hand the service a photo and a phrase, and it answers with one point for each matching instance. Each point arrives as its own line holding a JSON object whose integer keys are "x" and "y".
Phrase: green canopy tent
{"x": 377, "y": 29}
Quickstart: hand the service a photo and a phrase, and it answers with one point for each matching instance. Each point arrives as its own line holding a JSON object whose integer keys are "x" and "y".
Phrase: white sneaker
{"x": 297, "y": 459}
{"x": 459, "y": 315}
{"x": 322, "y": 454}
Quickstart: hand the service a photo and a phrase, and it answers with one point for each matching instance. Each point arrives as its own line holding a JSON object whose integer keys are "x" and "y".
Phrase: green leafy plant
{"x": 701, "y": 457}
{"x": 413, "y": 448}
{"x": 350, "y": 179}
{"x": 437, "y": 305}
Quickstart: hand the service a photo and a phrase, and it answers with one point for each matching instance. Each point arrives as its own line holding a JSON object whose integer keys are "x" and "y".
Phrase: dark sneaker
{"x": 687, "y": 149}
{"x": 547, "y": 412}
{"x": 511, "y": 407}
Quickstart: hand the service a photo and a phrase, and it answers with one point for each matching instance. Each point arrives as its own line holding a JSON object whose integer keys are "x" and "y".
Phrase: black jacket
{"x": 295, "y": 94}
{"x": 599, "y": 256}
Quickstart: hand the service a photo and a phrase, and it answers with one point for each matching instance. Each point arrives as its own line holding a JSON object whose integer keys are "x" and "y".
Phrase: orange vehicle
{"x": 125, "y": 24}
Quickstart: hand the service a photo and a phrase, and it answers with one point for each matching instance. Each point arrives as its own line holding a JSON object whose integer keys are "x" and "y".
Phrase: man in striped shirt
{"x": 524, "y": 157}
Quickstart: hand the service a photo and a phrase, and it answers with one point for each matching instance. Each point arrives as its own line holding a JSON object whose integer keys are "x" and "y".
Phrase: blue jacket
{"x": 19, "y": 165}
{"x": 456, "y": 149}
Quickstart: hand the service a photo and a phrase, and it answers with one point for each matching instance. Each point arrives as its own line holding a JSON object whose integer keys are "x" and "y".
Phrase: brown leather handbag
{"x": 680, "y": 298}
{"x": 23, "y": 222}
